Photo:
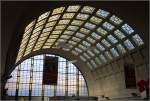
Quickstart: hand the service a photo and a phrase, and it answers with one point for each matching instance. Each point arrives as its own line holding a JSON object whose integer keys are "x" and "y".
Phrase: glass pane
{"x": 47, "y": 29}
{"x": 58, "y": 10}
{"x": 68, "y": 32}
{"x": 73, "y": 28}
{"x": 102, "y": 13}
{"x": 91, "y": 40}
{"x": 77, "y": 22}
{"x": 119, "y": 34}
{"x": 72, "y": 42}
{"x": 50, "y": 24}
{"x": 84, "y": 31}
{"x": 99, "y": 46}
{"x": 121, "y": 49}
{"x": 136, "y": 38}
{"x": 60, "y": 27}
{"x": 37, "y": 29}
{"x": 96, "y": 36}
{"x": 82, "y": 16}
{"x": 64, "y": 22}
{"x": 115, "y": 20}
{"x": 68, "y": 15}
{"x": 82, "y": 47}
{"x": 106, "y": 43}
{"x": 102, "y": 31}
{"x": 86, "y": 55}
{"x": 112, "y": 39}
{"x": 95, "y": 20}
{"x": 76, "y": 39}
{"x": 80, "y": 35}
{"x": 114, "y": 52}
{"x": 127, "y": 29}
{"x": 65, "y": 36}
{"x": 128, "y": 44}
{"x": 96, "y": 51}
{"x": 78, "y": 50}
{"x": 40, "y": 23}
{"x": 86, "y": 43}
{"x": 43, "y": 16}
{"x": 30, "y": 25}
{"x": 89, "y": 26}
{"x": 56, "y": 32}
{"x": 87, "y": 9}
{"x": 108, "y": 26}
{"x": 73, "y": 8}
{"x": 52, "y": 18}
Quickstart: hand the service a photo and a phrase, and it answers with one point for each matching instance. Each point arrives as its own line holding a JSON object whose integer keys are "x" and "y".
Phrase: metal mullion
{"x": 77, "y": 81}
{"x": 42, "y": 29}
{"x": 61, "y": 14}
{"x": 67, "y": 26}
{"x": 31, "y": 78}
{"x": 43, "y": 86}
{"x": 66, "y": 80}
{"x": 18, "y": 82}
{"x": 43, "y": 89}
{"x": 29, "y": 38}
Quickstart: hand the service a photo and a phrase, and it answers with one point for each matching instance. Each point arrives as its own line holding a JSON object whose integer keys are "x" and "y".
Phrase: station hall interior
{"x": 75, "y": 50}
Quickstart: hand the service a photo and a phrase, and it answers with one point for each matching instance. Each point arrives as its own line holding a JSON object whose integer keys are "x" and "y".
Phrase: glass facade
{"x": 29, "y": 75}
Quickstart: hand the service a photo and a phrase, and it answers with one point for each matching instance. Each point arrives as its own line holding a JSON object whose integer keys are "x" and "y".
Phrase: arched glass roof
{"x": 95, "y": 35}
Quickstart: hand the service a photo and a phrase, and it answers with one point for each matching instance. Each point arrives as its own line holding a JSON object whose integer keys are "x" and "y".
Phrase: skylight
{"x": 95, "y": 36}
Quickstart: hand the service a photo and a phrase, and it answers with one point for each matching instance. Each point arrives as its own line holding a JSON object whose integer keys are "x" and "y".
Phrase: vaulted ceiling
{"x": 97, "y": 32}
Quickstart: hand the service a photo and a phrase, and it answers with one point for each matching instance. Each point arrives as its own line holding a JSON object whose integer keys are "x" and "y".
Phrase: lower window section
{"x": 28, "y": 76}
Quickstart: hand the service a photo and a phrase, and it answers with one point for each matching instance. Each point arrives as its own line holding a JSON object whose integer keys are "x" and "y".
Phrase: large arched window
{"x": 94, "y": 35}
{"x": 28, "y": 76}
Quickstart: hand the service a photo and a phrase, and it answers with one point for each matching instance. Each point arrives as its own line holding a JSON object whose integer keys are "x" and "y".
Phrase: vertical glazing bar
{"x": 31, "y": 77}
{"x": 55, "y": 86}
{"x": 18, "y": 82}
{"x": 43, "y": 87}
{"x": 77, "y": 82}
{"x": 66, "y": 79}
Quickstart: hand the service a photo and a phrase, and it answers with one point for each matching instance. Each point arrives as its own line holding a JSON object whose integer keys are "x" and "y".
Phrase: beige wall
{"x": 110, "y": 80}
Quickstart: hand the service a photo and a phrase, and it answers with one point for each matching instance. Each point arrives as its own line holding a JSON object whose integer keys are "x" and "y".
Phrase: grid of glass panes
{"x": 74, "y": 27}
{"x": 65, "y": 69}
